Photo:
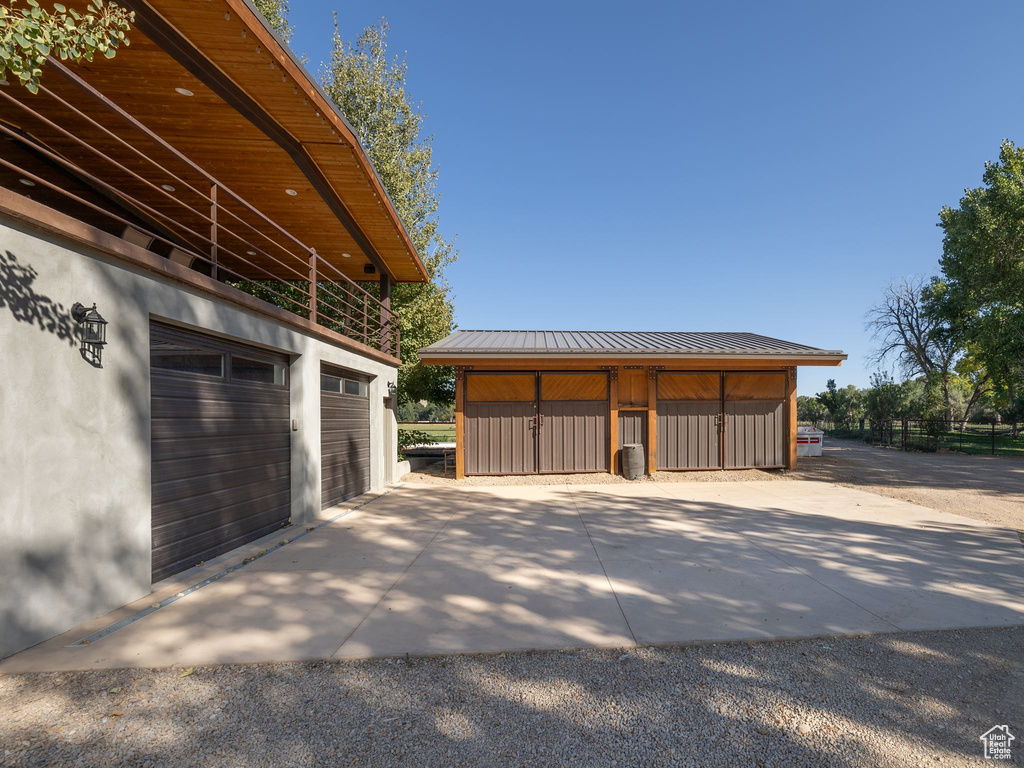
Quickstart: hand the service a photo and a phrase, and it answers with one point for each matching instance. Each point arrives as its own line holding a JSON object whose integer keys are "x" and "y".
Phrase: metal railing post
{"x": 213, "y": 231}
{"x": 993, "y": 425}
{"x": 313, "y": 314}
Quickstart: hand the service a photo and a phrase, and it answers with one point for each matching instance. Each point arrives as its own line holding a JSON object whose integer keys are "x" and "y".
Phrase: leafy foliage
{"x": 370, "y": 90}
{"x": 981, "y": 294}
{"x": 276, "y": 13}
{"x": 29, "y": 35}
{"x": 842, "y": 405}
{"x": 410, "y": 437}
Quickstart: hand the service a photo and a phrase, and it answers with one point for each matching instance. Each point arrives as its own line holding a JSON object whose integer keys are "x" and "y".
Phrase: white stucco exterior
{"x": 75, "y": 455}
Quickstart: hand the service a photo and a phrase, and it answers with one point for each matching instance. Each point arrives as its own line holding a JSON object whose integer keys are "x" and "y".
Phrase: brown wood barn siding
{"x": 220, "y": 460}
{"x": 344, "y": 445}
{"x": 755, "y": 433}
{"x": 574, "y": 436}
{"x": 633, "y": 428}
{"x": 687, "y": 434}
{"x": 498, "y": 438}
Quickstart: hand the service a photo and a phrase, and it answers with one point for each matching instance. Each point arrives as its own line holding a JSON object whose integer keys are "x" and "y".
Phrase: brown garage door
{"x": 755, "y": 419}
{"x": 220, "y": 446}
{"x": 344, "y": 435}
{"x": 499, "y": 421}
{"x": 573, "y": 432}
{"x": 689, "y": 408}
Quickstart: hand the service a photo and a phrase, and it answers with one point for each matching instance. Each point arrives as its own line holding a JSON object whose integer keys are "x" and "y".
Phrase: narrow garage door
{"x": 499, "y": 423}
{"x": 689, "y": 407}
{"x": 755, "y": 419}
{"x": 220, "y": 446}
{"x": 574, "y": 417}
{"x": 344, "y": 436}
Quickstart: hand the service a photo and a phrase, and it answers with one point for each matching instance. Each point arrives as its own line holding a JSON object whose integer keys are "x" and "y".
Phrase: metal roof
{"x": 605, "y": 343}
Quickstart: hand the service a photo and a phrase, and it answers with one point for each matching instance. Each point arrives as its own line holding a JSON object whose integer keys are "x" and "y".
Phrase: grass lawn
{"x": 441, "y": 432}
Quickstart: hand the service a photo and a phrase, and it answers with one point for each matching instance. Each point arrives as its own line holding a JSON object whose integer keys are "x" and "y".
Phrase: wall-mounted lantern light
{"x": 94, "y": 331}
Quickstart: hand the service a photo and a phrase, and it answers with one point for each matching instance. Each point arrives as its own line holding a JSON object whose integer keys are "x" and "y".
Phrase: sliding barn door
{"x": 499, "y": 423}
{"x": 755, "y": 425}
{"x": 689, "y": 407}
{"x": 574, "y": 417}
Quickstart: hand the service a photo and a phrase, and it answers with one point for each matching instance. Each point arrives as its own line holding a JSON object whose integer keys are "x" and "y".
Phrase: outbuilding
{"x": 529, "y": 402}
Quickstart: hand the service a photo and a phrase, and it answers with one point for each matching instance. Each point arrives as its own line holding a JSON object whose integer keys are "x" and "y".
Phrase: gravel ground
{"x": 906, "y": 699}
{"x": 989, "y": 488}
{"x": 434, "y": 475}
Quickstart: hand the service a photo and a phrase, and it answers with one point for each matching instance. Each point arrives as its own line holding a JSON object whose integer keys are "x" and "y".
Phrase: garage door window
{"x": 340, "y": 386}
{"x": 181, "y": 359}
{"x": 257, "y": 371}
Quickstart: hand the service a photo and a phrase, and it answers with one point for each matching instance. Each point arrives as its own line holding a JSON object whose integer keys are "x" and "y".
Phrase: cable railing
{"x": 187, "y": 214}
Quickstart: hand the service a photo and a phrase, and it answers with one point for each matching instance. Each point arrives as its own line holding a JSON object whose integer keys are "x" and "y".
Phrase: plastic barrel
{"x": 633, "y": 461}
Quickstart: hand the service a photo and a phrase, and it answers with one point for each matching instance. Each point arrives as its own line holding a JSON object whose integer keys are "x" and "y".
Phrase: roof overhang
{"x": 462, "y": 358}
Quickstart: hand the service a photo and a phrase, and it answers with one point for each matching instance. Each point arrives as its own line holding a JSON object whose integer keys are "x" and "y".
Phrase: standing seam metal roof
{"x": 618, "y": 342}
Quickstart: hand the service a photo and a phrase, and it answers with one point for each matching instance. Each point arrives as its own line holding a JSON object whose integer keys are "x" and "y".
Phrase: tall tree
{"x": 276, "y": 13}
{"x": 29, "y": 35}
{"x": 370, "y": 89}
{"x": 917, "y": 339}
{"x": 983, "y": 269}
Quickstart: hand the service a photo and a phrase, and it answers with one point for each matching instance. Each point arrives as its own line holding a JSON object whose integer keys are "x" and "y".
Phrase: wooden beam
{"x": 652, "y": 420}
{"x": 613, "y": 421}
{"x": 460, "y": 438}
{"x": 791, "y": 418}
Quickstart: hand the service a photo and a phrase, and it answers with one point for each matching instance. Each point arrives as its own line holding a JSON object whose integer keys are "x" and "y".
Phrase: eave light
{"x": 184, "y": 91}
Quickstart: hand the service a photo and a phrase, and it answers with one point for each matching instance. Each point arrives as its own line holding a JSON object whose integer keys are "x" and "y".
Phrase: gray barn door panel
{"x": 633, "y": 428}
{"x": 687, "y": 434}
{"x": 755, "y": 433}
{"x": 344, "y": 436}
{"x": 499, "y": 438}
{"x": 574, "y": 436}
{"x": 221, "y": 473}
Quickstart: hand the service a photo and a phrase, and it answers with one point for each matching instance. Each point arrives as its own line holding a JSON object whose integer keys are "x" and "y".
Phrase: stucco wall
{"x": 75, "y": 458}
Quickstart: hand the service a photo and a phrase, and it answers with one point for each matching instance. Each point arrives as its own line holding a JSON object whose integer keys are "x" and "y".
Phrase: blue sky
{"x": 714, "y": 166}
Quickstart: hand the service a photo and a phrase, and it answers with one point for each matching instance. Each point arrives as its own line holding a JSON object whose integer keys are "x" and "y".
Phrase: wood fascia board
{"x": 39, "y": 216}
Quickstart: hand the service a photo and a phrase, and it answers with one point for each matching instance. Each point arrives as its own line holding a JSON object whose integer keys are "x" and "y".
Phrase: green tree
{"x": 842, "y": 405}
{"x": 982, "y": 291}
{"x": 370, "y": 90}
{"x": 276, "y": 13}
{"x": 884, "y": 399}
{"x": 808, "y": 409}
{"x": 29, "y": 35}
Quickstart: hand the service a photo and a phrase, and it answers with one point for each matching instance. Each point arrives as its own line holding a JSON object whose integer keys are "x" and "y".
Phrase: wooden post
{"x": 613, "y": 425}
{"x": 213, "y": 231}
{"x": 385, "y": 314}
{"x": 791, "y": 418}
{"x": 460, "y": 440}
{"x": 313, "y": 280}
{"x": 652, "y": 420}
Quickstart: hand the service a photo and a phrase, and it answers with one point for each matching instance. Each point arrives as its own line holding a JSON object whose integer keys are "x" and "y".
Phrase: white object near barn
{"x": 808, "y": 441}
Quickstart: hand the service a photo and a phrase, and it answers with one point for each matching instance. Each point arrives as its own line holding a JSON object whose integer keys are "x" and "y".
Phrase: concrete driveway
{"x": 436, "y": 569}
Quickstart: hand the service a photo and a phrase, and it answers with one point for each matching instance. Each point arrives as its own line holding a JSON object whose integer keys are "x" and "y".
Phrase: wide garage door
{"x": 220, "y": 446}
{"x": 755, "y": 425}
{"x": 689, "y": 413}
{"x": 499, "y": 423}
{"x": 574, "y": 414}
{"x": 344, "y": 436}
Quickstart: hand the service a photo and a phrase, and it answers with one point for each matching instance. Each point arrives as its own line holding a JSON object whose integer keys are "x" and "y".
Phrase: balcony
{"x": 74, "y": 149}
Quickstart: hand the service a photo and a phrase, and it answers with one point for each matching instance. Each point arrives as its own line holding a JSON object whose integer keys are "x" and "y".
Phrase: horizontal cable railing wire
{"x": 293, "y": 277}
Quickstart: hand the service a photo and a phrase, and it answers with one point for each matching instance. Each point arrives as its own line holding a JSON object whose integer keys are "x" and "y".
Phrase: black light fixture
{"x": 94, "y": 331}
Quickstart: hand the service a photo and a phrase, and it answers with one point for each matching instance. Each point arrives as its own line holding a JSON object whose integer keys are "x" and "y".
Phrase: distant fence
{"x": 933, "y": 435}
